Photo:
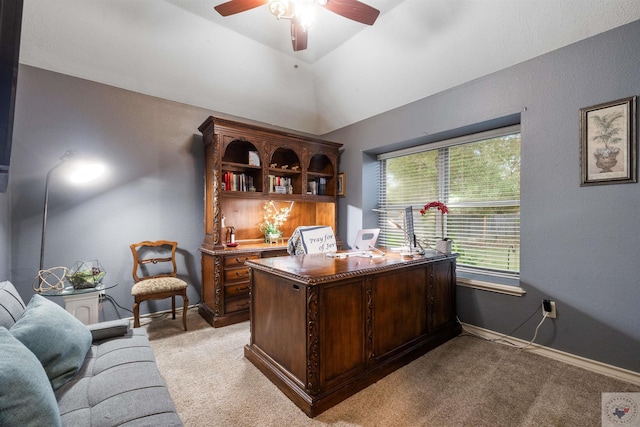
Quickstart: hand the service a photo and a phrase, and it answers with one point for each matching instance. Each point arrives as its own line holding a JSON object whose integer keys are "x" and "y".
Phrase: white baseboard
{"x": 168, "y": 311}
{"x": 568, "y": 358}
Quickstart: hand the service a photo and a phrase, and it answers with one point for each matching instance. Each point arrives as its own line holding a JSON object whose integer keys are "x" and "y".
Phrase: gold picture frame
{"x": 608, "y": 143}
{"x": 342, "y": 183}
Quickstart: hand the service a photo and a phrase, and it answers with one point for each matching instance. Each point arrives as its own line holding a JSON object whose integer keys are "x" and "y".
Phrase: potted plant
{"x": 444, "y": 243}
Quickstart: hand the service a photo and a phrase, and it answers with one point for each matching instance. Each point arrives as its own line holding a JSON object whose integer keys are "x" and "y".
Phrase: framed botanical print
{"x": 608, "y": 143}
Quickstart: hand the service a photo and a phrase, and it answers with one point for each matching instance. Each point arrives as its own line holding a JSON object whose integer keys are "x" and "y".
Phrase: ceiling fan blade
{"x": 236, "y": 6}
{"x": 298, "y": 36}
{"x": 354, "y": 10}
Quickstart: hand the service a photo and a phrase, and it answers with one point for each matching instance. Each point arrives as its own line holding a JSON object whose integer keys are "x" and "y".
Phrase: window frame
{"x": 473, "y": 273}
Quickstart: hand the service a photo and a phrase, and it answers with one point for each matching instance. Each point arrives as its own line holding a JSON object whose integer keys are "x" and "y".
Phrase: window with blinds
{"x": 478, "y": 178}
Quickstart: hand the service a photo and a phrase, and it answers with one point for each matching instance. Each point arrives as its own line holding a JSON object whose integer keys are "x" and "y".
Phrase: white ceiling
{"x": 243, "y": 65}
{"x": 329, "y": 31}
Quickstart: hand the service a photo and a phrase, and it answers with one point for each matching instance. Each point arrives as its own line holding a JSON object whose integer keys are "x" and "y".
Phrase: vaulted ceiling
{"x": 243, "y": 65}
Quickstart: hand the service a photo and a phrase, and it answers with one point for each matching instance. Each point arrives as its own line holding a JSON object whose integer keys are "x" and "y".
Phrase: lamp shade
{"x": 85, "y": 171}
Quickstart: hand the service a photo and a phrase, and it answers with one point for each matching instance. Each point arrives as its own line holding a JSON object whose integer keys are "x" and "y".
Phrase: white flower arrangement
{"x": 274, "y": 218}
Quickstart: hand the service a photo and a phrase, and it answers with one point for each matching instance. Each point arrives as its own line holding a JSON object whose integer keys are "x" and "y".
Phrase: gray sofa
{"x": 115, "y": 380}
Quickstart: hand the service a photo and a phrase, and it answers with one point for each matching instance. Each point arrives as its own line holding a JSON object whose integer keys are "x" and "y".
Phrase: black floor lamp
{"x": 81, "y": 170}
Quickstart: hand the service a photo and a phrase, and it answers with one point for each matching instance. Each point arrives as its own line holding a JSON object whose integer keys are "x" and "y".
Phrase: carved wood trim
{"x": 215, "y": 176}
{"x": 431, "y": 298}
{"x": 249, "y": 248}
{"x": 368, "y": 283}
{"x": 218, "y": 287}
{"x": 315, "y": 280}
{"x": 233, "y": 124}
{"x": 313, "y": 343}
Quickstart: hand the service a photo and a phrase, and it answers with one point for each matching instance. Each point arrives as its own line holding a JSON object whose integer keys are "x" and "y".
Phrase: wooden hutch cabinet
{"x": 247, "y": 166}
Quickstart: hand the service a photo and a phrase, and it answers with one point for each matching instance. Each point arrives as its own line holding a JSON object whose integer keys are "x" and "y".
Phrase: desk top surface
{"x": 321, "y": 268}
{"x": 244, "y": 246}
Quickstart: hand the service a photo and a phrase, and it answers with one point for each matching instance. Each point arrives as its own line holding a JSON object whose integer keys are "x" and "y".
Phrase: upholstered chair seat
{"x": 154, "y": 286}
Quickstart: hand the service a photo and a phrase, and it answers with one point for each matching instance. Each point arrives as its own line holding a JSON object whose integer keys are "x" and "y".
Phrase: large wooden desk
{"x": 324, "y": 328}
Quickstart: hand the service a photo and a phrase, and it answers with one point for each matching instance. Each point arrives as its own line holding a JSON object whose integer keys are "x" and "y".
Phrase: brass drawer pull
{"x": 244, "y": 305}
{"x": 244, "y": 273}
{"x": 242, "y": 261}
{"x": 239, "y": 289}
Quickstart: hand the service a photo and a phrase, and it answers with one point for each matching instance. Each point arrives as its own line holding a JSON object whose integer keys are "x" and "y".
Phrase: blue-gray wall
{"x": 153, "y": 188}
{"x": 580, "y": 245}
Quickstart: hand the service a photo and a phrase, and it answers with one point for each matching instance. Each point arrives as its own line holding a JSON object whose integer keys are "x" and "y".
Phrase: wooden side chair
{"x": 155, "y": 277}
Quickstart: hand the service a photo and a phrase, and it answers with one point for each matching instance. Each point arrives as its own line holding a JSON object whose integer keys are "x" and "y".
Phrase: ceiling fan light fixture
{"x": 305, "y": 14}
{"x": 279, "y": 8}
{"x": 302, "y": 13}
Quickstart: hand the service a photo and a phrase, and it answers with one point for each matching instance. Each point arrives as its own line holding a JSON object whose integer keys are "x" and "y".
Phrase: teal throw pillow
{"x": 26, "y": 396}
{"x": 59, "y": 340}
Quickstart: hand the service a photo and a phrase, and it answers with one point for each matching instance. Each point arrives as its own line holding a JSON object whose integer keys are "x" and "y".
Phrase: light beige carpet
{"x": 465, "y": 382}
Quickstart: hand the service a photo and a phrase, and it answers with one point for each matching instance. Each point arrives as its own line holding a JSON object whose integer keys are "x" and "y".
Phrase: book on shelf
{"x": 317, "y": 187}
{"x": 280, "y": 184}
{"x": 237, "y": 182}
{"x": 322, "y": 186}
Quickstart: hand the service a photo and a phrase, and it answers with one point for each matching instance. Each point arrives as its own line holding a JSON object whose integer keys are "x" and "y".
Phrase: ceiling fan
{"x": 301, "y": 13}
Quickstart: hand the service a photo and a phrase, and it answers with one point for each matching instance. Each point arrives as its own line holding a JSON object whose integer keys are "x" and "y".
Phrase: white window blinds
{"x": 478, "y": 178}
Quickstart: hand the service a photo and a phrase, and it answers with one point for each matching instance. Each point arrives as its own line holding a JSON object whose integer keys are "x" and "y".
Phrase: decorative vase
{"x": 272, "y": 237}
{"x": 443, "y": 246}
{"x": 606, "y": 163}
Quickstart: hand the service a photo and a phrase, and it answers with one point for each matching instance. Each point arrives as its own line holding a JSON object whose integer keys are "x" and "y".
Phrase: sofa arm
{"x": 110, "y": 329}
{"x": 11, "y": 305}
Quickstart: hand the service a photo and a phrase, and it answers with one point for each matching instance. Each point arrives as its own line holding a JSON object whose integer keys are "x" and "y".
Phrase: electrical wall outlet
{"x": 549, "y": 307}
{"x": 102, "y": 295}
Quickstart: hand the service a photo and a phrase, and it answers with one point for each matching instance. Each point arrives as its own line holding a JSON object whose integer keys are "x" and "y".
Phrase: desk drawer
{"x": 236, "y": 289}
{"x": 235, "y": 274}
{"x": 237, "y": 304}
{"x": 239, "y": 259}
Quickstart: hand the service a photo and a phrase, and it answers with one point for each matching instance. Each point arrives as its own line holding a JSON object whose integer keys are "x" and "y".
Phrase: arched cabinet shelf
{"x": 285, "y": 174}
{"x": 321, "y": 175}
{"x": 241, "y": 167}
